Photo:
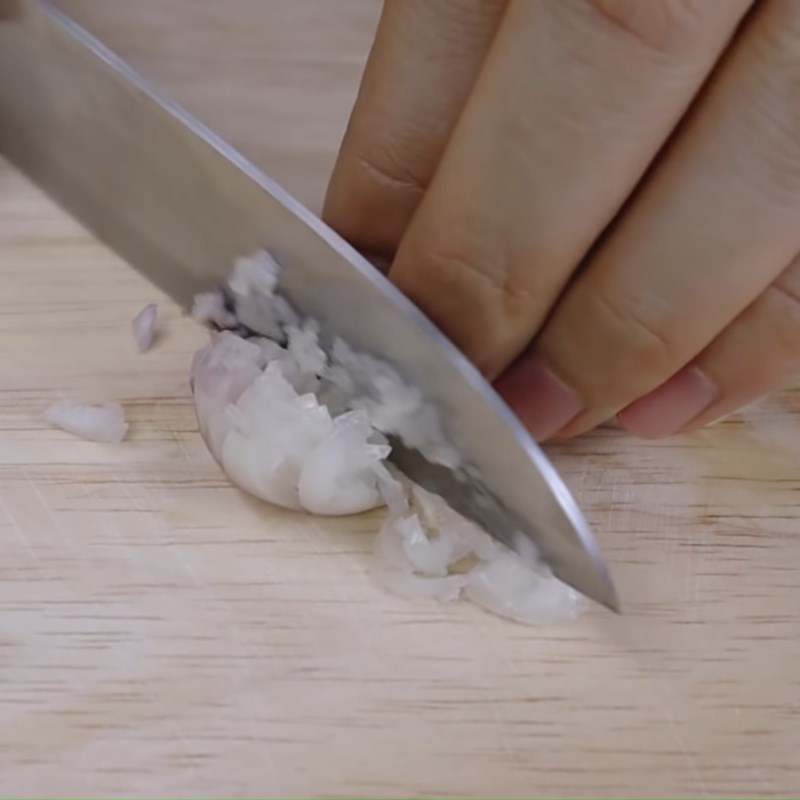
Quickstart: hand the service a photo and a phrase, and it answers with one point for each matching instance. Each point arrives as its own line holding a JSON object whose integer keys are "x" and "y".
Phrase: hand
{"x": 565, "y": 192}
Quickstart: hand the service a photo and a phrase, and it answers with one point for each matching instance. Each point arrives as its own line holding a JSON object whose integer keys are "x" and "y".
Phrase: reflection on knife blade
{"x": 180, "y": 205}
{"x": 308, "y": 427}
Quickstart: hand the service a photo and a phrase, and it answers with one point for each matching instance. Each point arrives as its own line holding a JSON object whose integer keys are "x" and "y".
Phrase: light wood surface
{"x": 162, "y": 635}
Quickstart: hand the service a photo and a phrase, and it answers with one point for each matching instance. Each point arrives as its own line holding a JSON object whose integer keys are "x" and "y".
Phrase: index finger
{"x": 424, "y": 61}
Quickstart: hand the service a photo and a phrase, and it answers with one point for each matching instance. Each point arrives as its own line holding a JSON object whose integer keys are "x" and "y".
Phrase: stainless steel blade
{"x": 180, "y": 205}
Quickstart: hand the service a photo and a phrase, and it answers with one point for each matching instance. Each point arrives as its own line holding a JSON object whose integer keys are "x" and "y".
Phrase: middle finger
{"x": 574, "y": 100}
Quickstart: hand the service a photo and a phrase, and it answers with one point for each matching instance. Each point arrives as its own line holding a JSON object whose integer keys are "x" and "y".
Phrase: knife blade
{"x": 180, "y": 205}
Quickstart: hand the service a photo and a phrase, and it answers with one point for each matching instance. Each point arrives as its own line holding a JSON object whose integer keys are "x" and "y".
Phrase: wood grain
{"x": 161, "y": 634}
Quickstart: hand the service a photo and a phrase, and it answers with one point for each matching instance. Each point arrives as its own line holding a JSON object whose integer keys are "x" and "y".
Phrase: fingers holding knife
{"x": 667, "y": 127}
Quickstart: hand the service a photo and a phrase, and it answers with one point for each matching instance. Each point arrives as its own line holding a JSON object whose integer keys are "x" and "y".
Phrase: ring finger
{"x": 714, "y": 225}
{"x": 758, "y": 353}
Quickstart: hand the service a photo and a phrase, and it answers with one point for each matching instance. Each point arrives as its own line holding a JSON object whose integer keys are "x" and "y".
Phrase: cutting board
{"x": 161, "y": 634}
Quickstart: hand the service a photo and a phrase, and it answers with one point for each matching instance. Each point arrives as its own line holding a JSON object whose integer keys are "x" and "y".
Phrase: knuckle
{"x": 371, "y": 197}
{"x": 787, "y": 287}
{"x": 386, "y": 170}
{"x": 463, "y": 262}
{"x": 666, "y": 26}
{"x": 471, "y": 295}
{"x": 638, "y": 347}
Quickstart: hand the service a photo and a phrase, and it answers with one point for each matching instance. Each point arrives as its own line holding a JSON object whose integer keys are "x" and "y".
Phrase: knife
{"x": 180, "y": 205}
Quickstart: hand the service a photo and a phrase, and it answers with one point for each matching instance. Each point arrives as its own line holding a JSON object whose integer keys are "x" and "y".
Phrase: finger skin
{"x": 714, "y": 226}
{"x": 567, "y": 114}
{"x": 757, "y": 354}
{"x": 424, "y": 62}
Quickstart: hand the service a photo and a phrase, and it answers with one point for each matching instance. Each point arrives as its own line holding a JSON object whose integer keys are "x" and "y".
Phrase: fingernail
{"x": 672, "y": 406}
{"x": 542, "y": 401}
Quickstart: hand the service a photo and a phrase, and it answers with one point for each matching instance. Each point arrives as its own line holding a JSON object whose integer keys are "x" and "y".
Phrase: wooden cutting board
{"x": 163, "y": 635}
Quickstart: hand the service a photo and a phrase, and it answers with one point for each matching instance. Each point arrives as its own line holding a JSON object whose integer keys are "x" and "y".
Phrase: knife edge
{"x": 182, "y": 257}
